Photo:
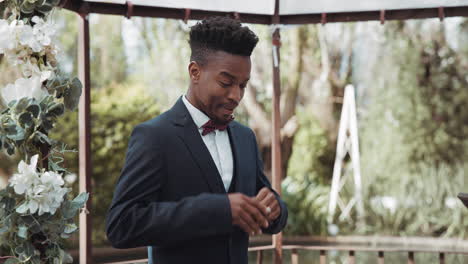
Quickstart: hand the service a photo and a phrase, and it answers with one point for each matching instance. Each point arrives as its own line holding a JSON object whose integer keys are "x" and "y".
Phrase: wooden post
{"x": 411, "y": 257}
{"x": 260, "y": 257}
{"x": 351, "y": 257}
{"x": 381, "y": 259}
{"x": 294, "y": 256}
{"x": 442, "y": 257}
{"x": 84, "y": 134}
{"x": 276, "y": 138}
{"x": 323, "y": 257}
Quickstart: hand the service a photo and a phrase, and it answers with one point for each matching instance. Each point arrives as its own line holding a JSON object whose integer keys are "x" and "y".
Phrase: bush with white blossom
{"x": 36, "y": 210}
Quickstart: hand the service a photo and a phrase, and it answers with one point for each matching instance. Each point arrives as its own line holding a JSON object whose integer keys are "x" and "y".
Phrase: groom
{"x": 193, "y": 186}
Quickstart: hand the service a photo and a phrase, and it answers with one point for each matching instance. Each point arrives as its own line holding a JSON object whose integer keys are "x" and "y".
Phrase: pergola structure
{"x": 267, "y": 12}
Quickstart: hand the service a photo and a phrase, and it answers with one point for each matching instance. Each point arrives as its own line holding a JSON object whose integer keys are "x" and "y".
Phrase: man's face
{"x": 218, "y": 86}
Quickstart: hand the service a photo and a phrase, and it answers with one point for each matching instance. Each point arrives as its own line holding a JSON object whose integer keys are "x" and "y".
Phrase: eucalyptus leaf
{"x": 28, "y": 248}
{"x": 23, "y": 231}
{"x": 56, "y": 110}
{"x": 12, "y": 261}
{"x": 80, "y": 200}
{"x": 11, "y": 129}
{"x": 23, "y": 208}
{"x": 34, "y": 109}
{"x": 41, "y": 2}
{"x": 12, "y": 103}
{"x": 72, "y": 94}
{"x": 22, "y": 104}
{"x": 53, "y": 2}
{"x": 19, "y": 135}
{"x": 67, "y": 258}
{"x": 67, "y": 210}
{"x": 27, "y": 7}
{"x": 9, "y": 203}
{"x": 47, "y": 124}
{"x": 10, "y": 150}
{"x": 70, "y": 228}
{"x": 43, "y": 138}
{"x": 4, "y": 229}
{"x": 45, "y": 8}
{"x": 35, "y": 260}
{"x": 35, "y": 228}
{"x": 19, "y": 250}
{"x": 26, "y": 119}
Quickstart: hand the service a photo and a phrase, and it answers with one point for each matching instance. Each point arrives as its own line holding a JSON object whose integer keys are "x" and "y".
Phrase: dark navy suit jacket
{"x": 170, "y": 195}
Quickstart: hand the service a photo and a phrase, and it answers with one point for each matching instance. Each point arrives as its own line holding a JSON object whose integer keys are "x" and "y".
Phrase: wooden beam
{"x": 401, "y": 14}
{"x": 313, "y": 18}
{"x": 85, "y": 137}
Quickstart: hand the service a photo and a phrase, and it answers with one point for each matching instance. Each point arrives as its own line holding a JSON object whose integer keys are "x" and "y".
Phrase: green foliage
{"x": 22, "y": 234}
{"x": 306, "y": 188}
{"x": 115, "y": 110}
{"x": 430, "y": 88}
{"x": 68, "y": 89}
{"x": 30, "y": 8}
{"x": 26, "y": 122}
{"x": 413, "y": 137}
{"x": 426, "y": 204}
{"x": 37, "y": 236}
{"x": 412, "y": 140}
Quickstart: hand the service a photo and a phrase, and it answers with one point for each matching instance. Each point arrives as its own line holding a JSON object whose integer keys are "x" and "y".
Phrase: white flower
{"x": 28, "y": 38}
{"x": 31, "y": 87}
{"x": 26, "y": 177}
{"x": 31, "y": 68}
{"x": 43, "y": 192}
{"x": 70, "y": 178}
{"x": 7, "y": 36}
{"x": 43, "y": 31}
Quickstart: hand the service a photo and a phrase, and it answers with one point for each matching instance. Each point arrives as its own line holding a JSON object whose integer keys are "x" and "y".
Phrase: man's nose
{"x": 235, "y": 94}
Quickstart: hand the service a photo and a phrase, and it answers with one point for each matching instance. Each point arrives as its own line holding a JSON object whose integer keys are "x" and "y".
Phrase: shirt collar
{"x": 198, "y": 116}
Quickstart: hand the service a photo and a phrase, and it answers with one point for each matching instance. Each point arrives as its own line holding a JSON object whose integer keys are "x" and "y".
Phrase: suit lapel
{"x": 188, "y": 132}
{"x": 237, "y": 150}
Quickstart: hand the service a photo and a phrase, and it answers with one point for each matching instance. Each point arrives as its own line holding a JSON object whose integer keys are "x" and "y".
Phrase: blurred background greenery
{"x": 411, "y": 90}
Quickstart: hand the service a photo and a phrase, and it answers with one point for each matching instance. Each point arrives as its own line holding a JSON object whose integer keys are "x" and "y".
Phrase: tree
{"x": 311, "y": 73}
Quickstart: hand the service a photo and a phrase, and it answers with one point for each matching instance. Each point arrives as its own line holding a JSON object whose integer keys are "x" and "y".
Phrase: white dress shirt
{"x": 217, "y": 143}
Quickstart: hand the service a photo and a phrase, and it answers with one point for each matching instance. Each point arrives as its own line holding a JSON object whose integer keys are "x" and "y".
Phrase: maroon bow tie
{"x": 211, "y": 126}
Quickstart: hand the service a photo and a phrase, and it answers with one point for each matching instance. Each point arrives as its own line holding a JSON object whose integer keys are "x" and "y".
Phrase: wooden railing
{"x": 382, "y": 247}
{"x": 379, "y": 245}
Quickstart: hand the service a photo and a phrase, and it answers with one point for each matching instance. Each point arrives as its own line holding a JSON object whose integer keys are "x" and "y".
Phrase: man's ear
{"x": 194, "y": 70}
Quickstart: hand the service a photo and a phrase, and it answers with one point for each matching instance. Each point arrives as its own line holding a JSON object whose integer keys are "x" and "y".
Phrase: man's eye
{"x": 225, "y": 84}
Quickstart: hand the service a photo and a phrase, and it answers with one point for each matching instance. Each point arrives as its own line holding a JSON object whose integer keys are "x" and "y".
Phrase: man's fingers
{"x": 252, "y": 207}
{"x": 269, "y": 200}
{"x": 257, "y": 204}
{"x": 262, "y": 193}
{"x": 251, "y": 223}
{"x": 244, "y": 226}
{"x": 275, "y": 213}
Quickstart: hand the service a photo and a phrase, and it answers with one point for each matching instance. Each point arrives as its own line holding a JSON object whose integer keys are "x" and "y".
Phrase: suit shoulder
{"x": 158, "y": 122}
{"x": 244, "y": 129}
{"x": 153, "y": 129}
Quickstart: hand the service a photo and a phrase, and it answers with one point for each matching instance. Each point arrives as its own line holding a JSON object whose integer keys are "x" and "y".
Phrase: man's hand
{"x": 248, "y": 213}
{"x": 268, "y": 199}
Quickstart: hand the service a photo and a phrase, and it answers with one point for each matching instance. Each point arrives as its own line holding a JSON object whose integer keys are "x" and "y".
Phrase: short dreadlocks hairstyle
{"x": 220, "y": 34}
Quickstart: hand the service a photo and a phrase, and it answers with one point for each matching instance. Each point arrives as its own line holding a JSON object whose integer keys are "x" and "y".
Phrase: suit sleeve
{"x": 137, "y": 216}
{"x": 262, "y": 181}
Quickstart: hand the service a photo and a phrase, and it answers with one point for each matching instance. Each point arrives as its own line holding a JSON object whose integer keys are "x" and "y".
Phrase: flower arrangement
{"x": 36, "y": 213}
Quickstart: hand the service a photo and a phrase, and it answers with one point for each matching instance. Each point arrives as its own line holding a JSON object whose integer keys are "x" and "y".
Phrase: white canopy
{"x": 293, "y": 7}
